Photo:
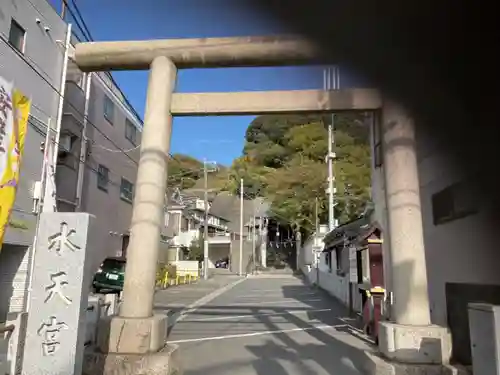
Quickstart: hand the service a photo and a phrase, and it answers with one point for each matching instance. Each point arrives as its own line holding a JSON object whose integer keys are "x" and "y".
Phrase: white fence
{"x": 185, "y": 267}
{"x": 13, "y": 332}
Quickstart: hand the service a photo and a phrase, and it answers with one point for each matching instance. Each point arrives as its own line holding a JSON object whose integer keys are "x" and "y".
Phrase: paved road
{"x": 269, "y": 326}
{"x": 175, "y": 299}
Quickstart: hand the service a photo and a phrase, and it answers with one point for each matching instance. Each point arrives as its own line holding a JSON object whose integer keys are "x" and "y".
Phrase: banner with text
{"x": 14, "y": 112}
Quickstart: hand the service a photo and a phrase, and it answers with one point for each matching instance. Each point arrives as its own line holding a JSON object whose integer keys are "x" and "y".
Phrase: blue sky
{"x": 218, "y": 139}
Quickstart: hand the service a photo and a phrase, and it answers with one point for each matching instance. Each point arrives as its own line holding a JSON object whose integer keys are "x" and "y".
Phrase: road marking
{"x": 202, "y": 301}
{"x": 268, "y": 295}
{"x": 241, "y": 335}
{"x": 277, "y": 302}
{"x": 230, "y": 317}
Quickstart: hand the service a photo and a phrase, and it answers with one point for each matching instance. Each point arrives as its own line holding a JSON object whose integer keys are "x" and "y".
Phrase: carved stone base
{"x": 375, "y": 364}
{"x": 415, "y": 344}
{"x": 116, "y": 334}
{"x": 164, "y": 362}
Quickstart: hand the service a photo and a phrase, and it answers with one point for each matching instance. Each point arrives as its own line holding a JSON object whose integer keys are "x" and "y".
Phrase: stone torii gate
{"x": 136, "y": 337}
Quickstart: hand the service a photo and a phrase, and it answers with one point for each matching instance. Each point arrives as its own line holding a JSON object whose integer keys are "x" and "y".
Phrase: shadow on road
{"x": 336, "y": 349}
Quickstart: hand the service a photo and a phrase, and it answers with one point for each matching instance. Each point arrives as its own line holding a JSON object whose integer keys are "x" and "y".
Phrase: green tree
{"x": 184, "y": 171}
{"x": 284, "y": 161}
{"x": 293, "y": 189}
{"x": 195, "y": 250}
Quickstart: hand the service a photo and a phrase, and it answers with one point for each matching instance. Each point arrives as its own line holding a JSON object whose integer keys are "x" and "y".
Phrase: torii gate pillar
{"x": 136, "y": 337}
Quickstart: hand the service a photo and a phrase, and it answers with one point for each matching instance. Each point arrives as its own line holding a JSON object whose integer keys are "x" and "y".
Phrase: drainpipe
{"x": 62, "y": 90}
{"x": 83, "y": 143}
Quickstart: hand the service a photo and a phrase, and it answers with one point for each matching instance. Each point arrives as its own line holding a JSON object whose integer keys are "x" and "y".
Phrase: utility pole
{"x": 261, "y": 240}
{"x": 316, "y": 223}
{"x": 331, "y": 177}
{"x": 254, "y": 232}
{"x": 241, "y": 227}
{"x": 331, "y": 80}
{"x": 205, "y": 228}
{"x": 316, "y": 230}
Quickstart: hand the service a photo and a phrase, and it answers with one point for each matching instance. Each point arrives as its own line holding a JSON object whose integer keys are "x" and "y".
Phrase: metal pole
{"x": 331, "y": 214}
{"x": 316, "y": 224}
{"x": 315, "y": 254}
{"x": 83, "y": 145}
{"x": 205, "y": 228}
{"x": 331, "y": 79}
{"x": 253, "y": 239}
{"x": 241, "y": 227}
{"x": 32, "y": 249}
{"x": 261, "y": 239}
{"x": 62, "y": 89}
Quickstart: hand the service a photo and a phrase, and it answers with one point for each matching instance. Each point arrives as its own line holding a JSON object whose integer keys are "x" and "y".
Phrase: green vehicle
{"x": 110, "y": 276}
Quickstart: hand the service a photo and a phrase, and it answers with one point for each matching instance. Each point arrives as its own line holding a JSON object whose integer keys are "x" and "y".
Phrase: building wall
{"x": 329, "y": 280}
{"x": 36, "y": 71}
{"x": 14, "y": 264}
{"x": 458, "y": 251}
{"x": 113, "y": 212}
{"x": 246, "y": 255}
{"x": 453, "y": 247}
{"x": 42, "y": 57}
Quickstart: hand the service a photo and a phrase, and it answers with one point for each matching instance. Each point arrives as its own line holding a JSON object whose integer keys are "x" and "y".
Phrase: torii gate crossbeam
{"x": 196, "y": 53}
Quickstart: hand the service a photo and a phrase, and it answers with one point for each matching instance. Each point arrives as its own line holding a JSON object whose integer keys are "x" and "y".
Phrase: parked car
{"x": 110, "y": 276}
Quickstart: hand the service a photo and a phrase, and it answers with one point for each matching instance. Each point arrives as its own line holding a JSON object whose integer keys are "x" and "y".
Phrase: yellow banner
{"x": 14, "y": 112}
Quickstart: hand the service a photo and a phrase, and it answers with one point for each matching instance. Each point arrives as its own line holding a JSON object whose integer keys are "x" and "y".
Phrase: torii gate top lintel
{"x": 185, "y": 53}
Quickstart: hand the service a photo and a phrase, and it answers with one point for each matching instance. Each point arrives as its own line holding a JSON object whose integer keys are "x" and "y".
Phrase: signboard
{"x": 14, "y": 112}
{"x": 59, "y": 298}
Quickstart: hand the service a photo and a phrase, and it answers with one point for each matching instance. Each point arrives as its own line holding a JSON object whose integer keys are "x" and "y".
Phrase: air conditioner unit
{"x": 65, "y": 143}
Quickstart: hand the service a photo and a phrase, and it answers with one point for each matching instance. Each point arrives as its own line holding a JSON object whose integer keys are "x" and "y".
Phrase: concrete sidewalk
{"x": 179, "y": 300}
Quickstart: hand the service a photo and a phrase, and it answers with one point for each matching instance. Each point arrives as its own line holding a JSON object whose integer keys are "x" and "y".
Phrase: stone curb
{"x": 177, "y": 317}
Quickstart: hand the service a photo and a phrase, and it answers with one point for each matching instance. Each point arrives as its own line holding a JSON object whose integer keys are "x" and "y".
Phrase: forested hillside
{"x": 283, "y": 160}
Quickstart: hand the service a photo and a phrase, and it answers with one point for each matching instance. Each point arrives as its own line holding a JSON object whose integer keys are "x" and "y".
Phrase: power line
{"x": 71, "y": 104}
{"x": 39, "y": 124}
{"x": 89, "y": 38}
{"x": 31, "y": 64}
{"x": 119, "y": 149}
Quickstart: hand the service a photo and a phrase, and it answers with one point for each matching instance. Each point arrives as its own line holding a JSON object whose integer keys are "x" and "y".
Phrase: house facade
{"x": 185, "y": 224}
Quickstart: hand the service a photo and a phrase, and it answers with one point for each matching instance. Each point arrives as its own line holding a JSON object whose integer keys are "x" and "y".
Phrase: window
{"x": 452, "y": 203}
{"x": 130, "y": 131}
{"x": 126, "y": 190}
{"x": 328, "y": 260}
{"x": 102, "y": 177}
{"x": 17, "y": 36}
{"x": 184, "y": 224}
{"x": 109, "y": 109}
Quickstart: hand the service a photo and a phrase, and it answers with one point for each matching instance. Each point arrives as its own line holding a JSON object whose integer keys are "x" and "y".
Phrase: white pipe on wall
{"x": 62, "y": 91}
